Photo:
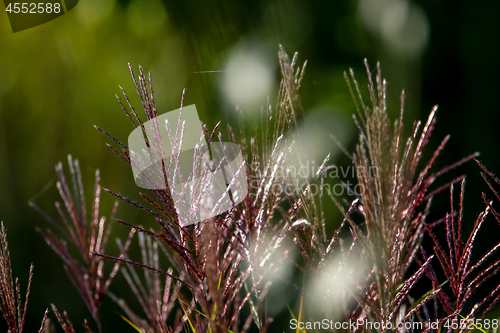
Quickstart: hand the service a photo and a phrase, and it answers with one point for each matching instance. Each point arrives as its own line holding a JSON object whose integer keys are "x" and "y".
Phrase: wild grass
{"x": 12, "y": 308}
{"x": 220, "y": 271}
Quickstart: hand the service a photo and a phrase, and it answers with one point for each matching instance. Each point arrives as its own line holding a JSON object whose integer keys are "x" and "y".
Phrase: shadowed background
{"x": 57, "y": 80}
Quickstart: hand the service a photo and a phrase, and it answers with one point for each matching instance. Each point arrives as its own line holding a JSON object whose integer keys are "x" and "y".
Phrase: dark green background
{"x": 59, "y": 79}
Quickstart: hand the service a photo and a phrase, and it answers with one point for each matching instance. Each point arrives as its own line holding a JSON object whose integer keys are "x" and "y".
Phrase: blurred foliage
{"x": 59, "y": 79}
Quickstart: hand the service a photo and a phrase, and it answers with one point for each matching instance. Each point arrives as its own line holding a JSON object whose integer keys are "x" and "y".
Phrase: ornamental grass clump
{"x": 217, "y": 275}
